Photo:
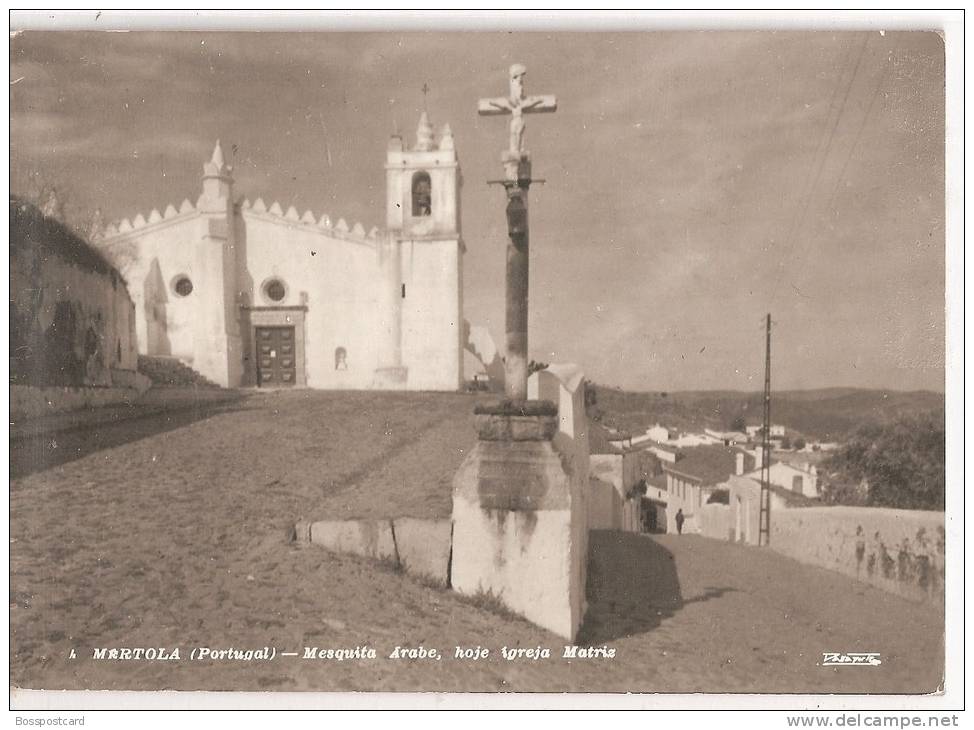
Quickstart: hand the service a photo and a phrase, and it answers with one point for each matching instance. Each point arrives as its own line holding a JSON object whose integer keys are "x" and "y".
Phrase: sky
{"x": 695, "y": 181}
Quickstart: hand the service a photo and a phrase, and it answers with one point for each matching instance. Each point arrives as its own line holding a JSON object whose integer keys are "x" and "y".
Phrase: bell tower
{"x": 422, "y": 262}
{"x": 422, "y": 184}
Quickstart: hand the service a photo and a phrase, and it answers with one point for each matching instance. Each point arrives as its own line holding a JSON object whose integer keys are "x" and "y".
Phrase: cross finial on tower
{"x": 426, "y": 91}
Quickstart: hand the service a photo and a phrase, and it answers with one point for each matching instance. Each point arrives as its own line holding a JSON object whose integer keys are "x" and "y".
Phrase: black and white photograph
{"x": 432, "y": 360}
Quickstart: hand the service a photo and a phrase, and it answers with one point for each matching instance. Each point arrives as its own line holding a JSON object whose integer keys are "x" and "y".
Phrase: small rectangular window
{"x": 403, "y": 291}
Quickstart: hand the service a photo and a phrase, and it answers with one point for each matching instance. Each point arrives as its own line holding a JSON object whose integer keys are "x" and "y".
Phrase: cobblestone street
{"x": 171, "y": 532}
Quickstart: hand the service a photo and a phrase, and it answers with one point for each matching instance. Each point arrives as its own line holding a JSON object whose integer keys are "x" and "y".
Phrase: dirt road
{"x": 173, "y": 536}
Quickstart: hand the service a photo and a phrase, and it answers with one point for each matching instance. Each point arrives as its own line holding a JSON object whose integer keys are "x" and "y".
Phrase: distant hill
{"x": 828, "y": 414}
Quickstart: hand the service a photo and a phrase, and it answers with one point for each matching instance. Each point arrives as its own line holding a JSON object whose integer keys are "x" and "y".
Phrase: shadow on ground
{"x": 35, "y": 453}
{"x": 633, "y": 585}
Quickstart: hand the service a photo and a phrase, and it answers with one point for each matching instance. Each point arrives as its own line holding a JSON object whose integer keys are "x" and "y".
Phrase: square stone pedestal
{"x": 513, "y": 530}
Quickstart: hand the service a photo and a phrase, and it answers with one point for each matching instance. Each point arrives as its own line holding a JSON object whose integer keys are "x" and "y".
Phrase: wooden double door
{"x": 276, "y": 366}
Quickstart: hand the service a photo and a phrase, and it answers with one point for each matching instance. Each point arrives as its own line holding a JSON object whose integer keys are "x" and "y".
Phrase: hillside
{"x": 827, "y": 414}
{"x": 172, "y": 531}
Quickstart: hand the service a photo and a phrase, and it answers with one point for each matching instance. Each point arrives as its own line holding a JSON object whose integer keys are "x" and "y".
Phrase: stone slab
{"x": 368, "y": 538}
{"x": 301, "y": 532}
{"x": 424, "y": 547}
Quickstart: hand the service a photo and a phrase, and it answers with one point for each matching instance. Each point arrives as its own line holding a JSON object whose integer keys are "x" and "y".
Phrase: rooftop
{"x": 599, "y": 440}
{"x": 709, "y": 464}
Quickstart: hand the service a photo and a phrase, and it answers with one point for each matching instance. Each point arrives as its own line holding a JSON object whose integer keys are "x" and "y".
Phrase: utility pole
{"x": 764, "y": 516}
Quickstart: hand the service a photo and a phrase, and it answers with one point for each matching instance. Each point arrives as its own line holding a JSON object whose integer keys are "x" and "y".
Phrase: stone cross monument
{"x": 517, "y": 180}
{"x": 520, "y": 529}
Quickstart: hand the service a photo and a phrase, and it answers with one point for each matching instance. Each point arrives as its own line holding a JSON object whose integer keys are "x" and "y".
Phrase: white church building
{"x": 249, "y": 294}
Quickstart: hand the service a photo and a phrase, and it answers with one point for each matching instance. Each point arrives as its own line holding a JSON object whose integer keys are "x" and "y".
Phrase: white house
{"x": 791, "y": 477}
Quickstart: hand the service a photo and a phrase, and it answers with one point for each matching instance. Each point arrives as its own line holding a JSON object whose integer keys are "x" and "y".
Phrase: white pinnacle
{"x": 217, "y": 158}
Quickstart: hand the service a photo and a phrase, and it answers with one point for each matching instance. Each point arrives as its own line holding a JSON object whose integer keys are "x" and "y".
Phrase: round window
{"x": 183, "y": 286}
{"x": 275, "y": 290}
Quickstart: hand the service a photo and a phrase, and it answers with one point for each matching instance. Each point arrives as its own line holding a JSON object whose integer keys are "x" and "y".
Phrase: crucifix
{"x": 517, "y": 168}
{"x": 517, "y": 104}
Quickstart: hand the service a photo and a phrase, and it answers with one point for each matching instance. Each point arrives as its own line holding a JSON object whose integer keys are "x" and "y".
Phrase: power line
{"x": 852, "y": 147}
{"x": 820, "y": 146}
{"x": 800, "y": 219}
{"x": 855, "y": 143}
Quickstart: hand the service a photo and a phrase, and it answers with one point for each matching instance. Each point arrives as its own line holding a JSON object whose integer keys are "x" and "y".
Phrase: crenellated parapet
{"x": 322, "y": 224}
{"x": 170, "y": 215}
{"x": 308, "y": 221}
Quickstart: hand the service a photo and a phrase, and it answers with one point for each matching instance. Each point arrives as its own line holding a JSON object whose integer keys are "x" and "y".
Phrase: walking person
{"x": 679, "y": 521}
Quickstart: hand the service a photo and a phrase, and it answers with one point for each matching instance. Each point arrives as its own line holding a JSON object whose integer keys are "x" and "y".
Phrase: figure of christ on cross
{"x": 517, "y": 167}
{"x": 517, "y": 105}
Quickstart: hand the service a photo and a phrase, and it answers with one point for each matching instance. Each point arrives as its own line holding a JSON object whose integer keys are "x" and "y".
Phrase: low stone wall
{"x": 901, "y": 551}
{"x": 72, "y": 321}
{"x": 420, "y": 547}
{"x": 28, "y": 402}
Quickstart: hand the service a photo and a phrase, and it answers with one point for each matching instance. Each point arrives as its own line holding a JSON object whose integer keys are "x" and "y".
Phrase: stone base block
{"x": 514, "y": 535}
{"x": 369, "y": 538}
{"x": 424, "y": 547}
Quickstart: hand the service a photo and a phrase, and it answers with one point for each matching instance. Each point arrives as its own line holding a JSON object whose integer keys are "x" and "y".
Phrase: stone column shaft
{"x": 516, "y": 363}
